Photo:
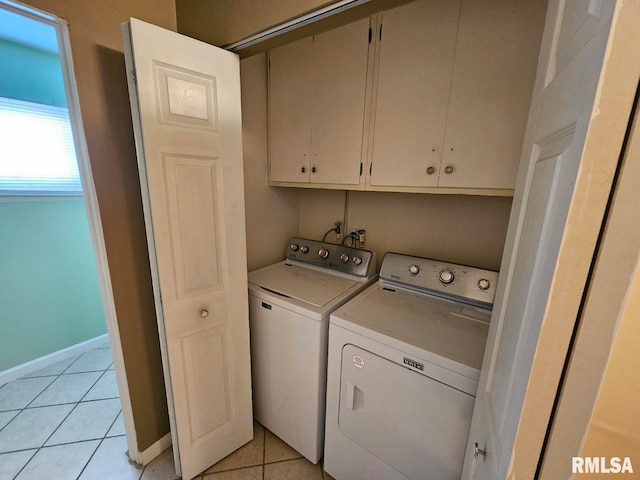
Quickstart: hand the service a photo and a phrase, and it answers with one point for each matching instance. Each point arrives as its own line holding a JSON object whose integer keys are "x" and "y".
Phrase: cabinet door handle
{"x": 431, "y": 170}
{"x": 448, "y": 169}
{"x": 313, "y": 169}
{"x": 303, "y": 169}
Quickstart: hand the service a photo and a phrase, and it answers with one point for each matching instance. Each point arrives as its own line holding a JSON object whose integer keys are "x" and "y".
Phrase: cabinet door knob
{"x": 448, "y": 169}
{"x": 313, "y": 169}
{"x": 303, "y": 169}
{"x": 431, "y": 170}
{"x": 204, "y": 313}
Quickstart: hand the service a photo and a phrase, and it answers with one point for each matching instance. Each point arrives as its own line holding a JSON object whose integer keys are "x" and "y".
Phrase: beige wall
{"x": 615, "y": 424}
{"x": 597, "y": 414}
{"x": 456, "y": 228}
{"x": 96, "y": 43}
{"x": 271, "y": 213}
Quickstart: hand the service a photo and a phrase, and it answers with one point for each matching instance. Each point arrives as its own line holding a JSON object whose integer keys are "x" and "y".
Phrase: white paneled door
{"x": 185, "y": 99}
{"x": 573, "y": 49}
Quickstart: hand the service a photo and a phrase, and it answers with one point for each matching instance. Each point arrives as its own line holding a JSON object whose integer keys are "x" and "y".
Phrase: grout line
{"x": 26, "y": 463}
{"x": 61, "y": 404}
{"x": 91, "y": 387}
{"x": 14, "y": 417}
{"x": 41, "y": 392}
{"x": 111, "y": 426}
{"x": 82, "y": 373}
{"x": 44, "y": 447}
{"x": 59, "y": 425}
{"x": 89, "y": 460}
{"x": 73, "y": 363}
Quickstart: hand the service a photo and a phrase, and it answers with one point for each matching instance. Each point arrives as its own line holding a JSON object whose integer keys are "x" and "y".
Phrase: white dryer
{"x": 289, "y": 307}
{"x": 404, "y": 363}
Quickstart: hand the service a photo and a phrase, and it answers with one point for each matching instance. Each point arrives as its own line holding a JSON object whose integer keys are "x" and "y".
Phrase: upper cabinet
{"x": 434, "y": 98}
{"x": 414, "y": 63}
{"x": 493, "y": 76}
{"x": 317, "y": 89}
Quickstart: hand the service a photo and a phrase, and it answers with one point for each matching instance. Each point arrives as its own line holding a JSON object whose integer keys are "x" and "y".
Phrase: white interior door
{"x": 573, "y": 49}
{"x": 185, "y": 98}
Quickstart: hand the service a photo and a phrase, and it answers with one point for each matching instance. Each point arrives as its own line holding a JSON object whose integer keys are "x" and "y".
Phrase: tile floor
{"x": 64, "y": 422}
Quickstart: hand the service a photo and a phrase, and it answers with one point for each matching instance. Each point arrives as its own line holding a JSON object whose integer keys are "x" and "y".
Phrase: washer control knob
{"x": 294, "y": 247}
{"x": 323, "y": 253}
{"x": 446, "y": 276}
{"x": 344, "y": 257}
{"x": 304, "y": 249}
{"x": 357, "y": 260}
{"x": 484, "y": 284}
{"x": 414, "y": 269}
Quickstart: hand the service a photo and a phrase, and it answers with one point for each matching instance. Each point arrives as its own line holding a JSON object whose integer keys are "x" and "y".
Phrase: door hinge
{"x": 370, "y": 34}
{"x": 360, "y": 168}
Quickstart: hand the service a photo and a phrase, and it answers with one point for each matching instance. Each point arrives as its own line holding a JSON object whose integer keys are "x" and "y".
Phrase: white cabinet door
{"x": 290, "y": 76}
{"x": 337, "y": 109}
{"x": 317, "y": 91}
{"x": 413, "y": 72}
{"x": 493, "y": 75}
{"x": 185, "y": 100}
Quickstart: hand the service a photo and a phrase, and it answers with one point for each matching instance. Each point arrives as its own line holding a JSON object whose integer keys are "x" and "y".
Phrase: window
{"x": 37, "y": 153}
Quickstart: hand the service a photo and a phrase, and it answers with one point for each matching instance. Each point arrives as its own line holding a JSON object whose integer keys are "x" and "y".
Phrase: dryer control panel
{"x": 460, "y": 282}
{"x": 338, "y": 258}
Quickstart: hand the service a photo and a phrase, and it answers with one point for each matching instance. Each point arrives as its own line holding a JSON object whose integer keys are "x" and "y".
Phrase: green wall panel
{"x": 49, "y": 292}
{"x": 31, "y": 75}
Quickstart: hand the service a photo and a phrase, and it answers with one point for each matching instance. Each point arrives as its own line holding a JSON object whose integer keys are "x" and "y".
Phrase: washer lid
{"x": 448, "y": 329}
{"x": 305, "y": 284}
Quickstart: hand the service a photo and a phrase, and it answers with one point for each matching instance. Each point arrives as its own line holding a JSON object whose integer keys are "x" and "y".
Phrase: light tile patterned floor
{"x": 64, "y": 422}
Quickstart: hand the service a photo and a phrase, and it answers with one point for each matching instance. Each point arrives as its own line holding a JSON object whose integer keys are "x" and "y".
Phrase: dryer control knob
{"x": 323, "y": 253}
{"x": 446, "y": 276}
{"x": 484, "y": 284}
{"x": 414, "y": 269}
{"x": 357, "y": 260}
{"x": 304, "y": 249}
{"x": 294, "y": 247}
{"x": 344, "y": 257}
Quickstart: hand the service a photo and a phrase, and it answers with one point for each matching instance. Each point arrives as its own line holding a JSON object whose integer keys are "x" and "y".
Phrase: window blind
{"x": 37, "y": 153}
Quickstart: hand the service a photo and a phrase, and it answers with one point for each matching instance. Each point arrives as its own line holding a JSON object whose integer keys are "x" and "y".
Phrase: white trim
{"x": 154, "y": 450}
{"x": 296, "y": 23}
{"x": 97, "y": 235}
{"x": 47, "y": 360}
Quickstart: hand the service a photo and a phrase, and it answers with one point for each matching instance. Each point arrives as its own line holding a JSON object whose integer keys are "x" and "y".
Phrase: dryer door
{"x": 414, "y": 424}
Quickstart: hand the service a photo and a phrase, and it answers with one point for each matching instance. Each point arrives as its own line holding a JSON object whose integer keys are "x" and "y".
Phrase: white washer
{"x": 403, "y": 369}
{"x": 289, "y": 307}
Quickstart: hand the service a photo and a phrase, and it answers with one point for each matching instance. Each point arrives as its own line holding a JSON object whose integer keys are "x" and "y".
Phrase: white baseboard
{"x": 154, "y": 450}
{"x": 55, "y": 357}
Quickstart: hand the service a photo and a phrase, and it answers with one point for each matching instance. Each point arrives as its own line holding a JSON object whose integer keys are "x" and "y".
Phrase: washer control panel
{"x": 447, "y": 279}
{"x": 334, "y": 257}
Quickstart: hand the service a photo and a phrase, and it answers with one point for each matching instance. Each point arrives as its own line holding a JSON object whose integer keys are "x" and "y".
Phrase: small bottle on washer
{"x": 361, "y": 240}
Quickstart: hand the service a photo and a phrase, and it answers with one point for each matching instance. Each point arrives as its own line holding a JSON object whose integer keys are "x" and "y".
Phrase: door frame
{"x": 93, "y": 215}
